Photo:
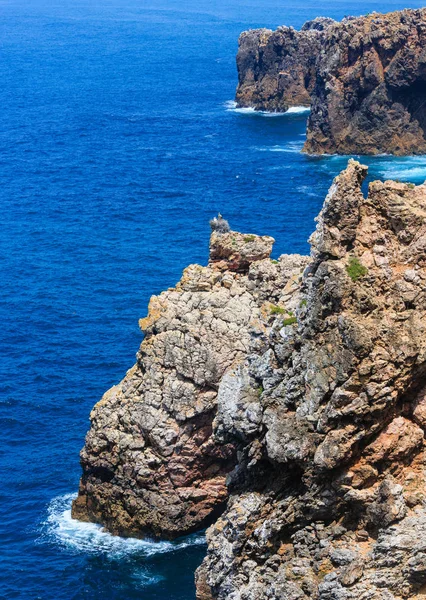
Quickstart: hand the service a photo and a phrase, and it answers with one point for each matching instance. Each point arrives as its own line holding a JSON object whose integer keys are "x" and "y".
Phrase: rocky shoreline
{"x": 283, "y": 403}
{"x": 364, "y": 79}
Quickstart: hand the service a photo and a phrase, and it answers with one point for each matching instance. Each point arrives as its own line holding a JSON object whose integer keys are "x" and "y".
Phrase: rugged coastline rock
{"x": 285, "y": 403}
{"x": 364, "y": 78}
{"x": 151, "y": 465}
{"x": 328, "y": 499}
{"x": 276, "y": 69}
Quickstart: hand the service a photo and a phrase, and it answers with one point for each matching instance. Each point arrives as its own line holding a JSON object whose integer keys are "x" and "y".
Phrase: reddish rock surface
{"x": 289, "y": 397}
{"x": 364, "y": 78}
{"x": 327, "y": 501}
{"x": 151, "y": 465}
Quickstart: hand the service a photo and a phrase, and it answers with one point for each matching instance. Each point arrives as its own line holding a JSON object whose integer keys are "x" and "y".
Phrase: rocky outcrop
{"x": 370, "y": 95}
{"x": 276, "y": 69}
{"x": 365, "y": 77}
{"x": 285, "y": 403}
{"x": 327, "y": 501}
{"x": 151, "y": 465}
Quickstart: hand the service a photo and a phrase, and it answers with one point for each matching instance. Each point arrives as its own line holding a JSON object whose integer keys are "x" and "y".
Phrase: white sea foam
{"x": 60, "y": 528}
{"x": 231, "y": 105}
{"x": 294, "y": 147}
{"x": 143, "y": 578}
{"x": 307, "y": 190}
{"x": 298, "y": 110}
{"x": 406, "y": 169}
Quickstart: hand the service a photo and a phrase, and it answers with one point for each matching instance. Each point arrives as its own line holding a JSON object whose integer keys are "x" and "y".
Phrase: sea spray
{"x": 293, "y": 111}
{"x": 61, "y": 529}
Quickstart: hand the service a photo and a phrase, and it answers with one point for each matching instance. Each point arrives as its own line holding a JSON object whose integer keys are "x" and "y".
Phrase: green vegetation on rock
{"x": 290, "y": 321}
{"x": 355, "y": 269}
{"x": 278, "y": 310}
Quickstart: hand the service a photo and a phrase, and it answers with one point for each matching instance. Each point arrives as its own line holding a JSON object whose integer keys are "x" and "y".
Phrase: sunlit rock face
{"x": 276, "y": 69}
{"x": 364, "y": 78}
{"x": 151, "y": 464}
{"x": 283, "y": 402}
{"x": 327, "y": 500}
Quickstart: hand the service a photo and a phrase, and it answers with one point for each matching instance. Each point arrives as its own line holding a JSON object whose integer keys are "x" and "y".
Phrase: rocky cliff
{"x": 151, "y": 464}
{"x": 328, "y": 498}
{"x": 365, "y": 79}
{"x": 284, "y": 403}
{"x": 276, "y": 69}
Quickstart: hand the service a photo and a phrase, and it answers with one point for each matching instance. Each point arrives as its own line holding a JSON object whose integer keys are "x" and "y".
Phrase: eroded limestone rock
{"x": 151, "y": 465}
{"x": 325, "y": 496}
{"x": 284, "y": 402}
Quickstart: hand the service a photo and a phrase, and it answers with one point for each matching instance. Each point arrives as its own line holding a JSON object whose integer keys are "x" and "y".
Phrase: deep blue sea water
{"x": 117, "y": 143}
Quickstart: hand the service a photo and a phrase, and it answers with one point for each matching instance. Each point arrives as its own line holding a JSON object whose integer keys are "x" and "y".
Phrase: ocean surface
{"x": 118, "y": 141}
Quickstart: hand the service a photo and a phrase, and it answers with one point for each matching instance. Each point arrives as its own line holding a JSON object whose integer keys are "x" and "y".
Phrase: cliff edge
{"x": 151, "y": 464}
{"x": 284, "y": 402}
{"x": 364, "y": 79}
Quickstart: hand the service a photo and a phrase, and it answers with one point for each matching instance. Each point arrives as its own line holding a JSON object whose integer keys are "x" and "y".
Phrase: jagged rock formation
{"x": 366, "y": 78}
{"x": 151, "y": 465}
{"x": 276, "y": 69}
{"x": 370, "y": 95}
{"x": 290, "y": 396}
{"x": 328, "y": 499}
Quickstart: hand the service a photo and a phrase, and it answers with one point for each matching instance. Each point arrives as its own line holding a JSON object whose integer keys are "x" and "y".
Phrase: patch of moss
{"x": 274, "y": 262}
{"x": 260, "y": 390}
{"x": 249, "y": 238}
{"x": 355, "y": 269}
{"x": 290, "y": 321}
{"x": 411, "y": 186}
{"x": 303, "y": 302}
{"x": 278, "y": 310}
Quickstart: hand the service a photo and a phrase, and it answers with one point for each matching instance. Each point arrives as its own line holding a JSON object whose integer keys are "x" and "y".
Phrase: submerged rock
{"x": 284, "y": 403}
{"x": 364, "y": 78}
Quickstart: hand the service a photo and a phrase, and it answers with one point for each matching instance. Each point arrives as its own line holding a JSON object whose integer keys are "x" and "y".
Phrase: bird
{"x": 219, "y": 224}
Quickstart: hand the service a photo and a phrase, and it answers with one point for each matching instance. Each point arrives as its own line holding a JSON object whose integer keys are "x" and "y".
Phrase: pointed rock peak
{"x": 339, "y": 217}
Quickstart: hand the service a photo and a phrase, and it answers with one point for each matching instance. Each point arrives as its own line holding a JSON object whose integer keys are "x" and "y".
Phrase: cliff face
{"x": 370, "y": 95}
{"x": 327, "y": 501}
{"x": 366, "y": 79}
{"x": 151, "y": 465}
{"x": 276, "y": 69}
{"x": 290, "y": 396}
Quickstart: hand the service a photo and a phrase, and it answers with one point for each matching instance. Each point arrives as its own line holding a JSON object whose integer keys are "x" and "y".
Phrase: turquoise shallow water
{"x": 118, "y": 141}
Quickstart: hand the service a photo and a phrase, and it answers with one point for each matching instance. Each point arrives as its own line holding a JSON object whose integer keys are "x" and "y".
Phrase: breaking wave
{"x": 60, "y": 528}
{"x": 231, "y": 105}
{"x": 298, "y": 110}
{"x": 293, "y": 147}
{"x": 412, "y": 168}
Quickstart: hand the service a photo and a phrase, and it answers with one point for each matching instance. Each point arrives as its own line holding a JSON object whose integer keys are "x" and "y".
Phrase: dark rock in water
{"x": 370, "y": 95}
{"x": 364, "y": 78}
{"x": 288, "y": 397}
{"x": 276, "y": 69}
